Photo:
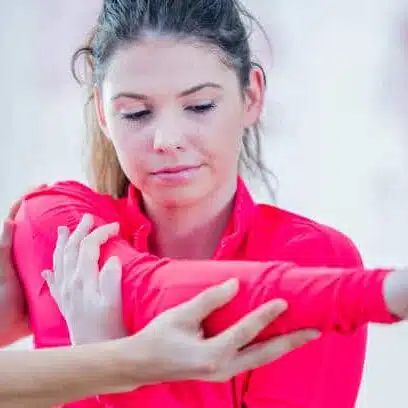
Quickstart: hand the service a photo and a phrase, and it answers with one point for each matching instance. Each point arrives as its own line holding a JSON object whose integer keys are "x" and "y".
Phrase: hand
{"x": 395, "y": 291}
{"x": 173, "y": 348}
{"x": 13, "y": 316}
{"x": 89, "y": 300}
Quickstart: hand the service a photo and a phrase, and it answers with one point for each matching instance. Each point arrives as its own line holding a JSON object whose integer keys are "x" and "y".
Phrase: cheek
{"x": 227, "y": 138}
{"x": 130, "y": 149}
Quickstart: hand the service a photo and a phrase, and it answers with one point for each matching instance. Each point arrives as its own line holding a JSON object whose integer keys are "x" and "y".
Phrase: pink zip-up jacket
{"x": 315, "y": 268}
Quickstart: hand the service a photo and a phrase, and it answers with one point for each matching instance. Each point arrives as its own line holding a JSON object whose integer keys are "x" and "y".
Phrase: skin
{"x": 176, "y": 103}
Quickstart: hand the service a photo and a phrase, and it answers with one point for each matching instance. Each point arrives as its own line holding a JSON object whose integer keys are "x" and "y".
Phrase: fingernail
{"x": 231, "y": 284}
{"x": 62, "y": 230}
{"x": 314, "y": 334}
{"x": 38, "y": 188}
{"x": 87, "y": 218}
{"x": 279, "y": 304}
{"x": 115, "y": 226}
{"x": 115, "y": 262}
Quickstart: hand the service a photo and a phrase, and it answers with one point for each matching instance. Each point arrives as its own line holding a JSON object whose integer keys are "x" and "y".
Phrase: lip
{"x": 176, "y": 175}
{"x": 174, "y": 170}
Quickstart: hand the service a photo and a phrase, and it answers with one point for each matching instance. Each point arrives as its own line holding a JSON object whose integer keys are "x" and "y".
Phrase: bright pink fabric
{"x": 317, "y": 269}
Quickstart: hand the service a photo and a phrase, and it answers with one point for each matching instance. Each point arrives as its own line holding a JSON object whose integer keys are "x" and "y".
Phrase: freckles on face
{"x": 169, "y": 104}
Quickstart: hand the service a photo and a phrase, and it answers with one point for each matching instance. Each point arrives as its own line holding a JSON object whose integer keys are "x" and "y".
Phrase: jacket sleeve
{"x": 326, "y": 372}
{"x": 323, "y": 298}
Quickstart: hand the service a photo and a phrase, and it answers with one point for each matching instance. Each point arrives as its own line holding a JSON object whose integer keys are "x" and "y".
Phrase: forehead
{"x": 155, "y": 64}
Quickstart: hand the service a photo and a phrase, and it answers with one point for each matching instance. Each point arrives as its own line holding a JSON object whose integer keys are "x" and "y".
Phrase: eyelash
{"x": 140, "y": 115}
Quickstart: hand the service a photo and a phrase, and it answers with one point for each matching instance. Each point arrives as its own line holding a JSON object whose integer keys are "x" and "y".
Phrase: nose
{"x": 168, "y": 135}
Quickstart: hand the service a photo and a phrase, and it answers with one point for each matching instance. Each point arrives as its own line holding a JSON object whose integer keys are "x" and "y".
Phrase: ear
{"x": 254, "y": 96}
{"x": 100, "y": 111}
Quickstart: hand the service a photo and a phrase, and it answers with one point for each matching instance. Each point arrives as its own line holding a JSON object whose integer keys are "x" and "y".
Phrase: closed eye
{"x": 136, "y": 115}
{"x": 143, "y": 114}
{"x": 201, "y": 108}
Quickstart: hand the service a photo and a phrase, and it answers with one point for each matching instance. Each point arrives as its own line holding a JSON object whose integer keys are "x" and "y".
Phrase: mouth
{"x": 175, "y": 170}
{"x": 175, "y": 175}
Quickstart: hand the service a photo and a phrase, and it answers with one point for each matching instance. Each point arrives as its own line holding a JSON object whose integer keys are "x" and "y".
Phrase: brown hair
{"x": 216, "y": 22}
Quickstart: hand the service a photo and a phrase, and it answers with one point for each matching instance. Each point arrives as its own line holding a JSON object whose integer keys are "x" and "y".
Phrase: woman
{"x": 50, "y": 376}
{"x": 175, "y": 104}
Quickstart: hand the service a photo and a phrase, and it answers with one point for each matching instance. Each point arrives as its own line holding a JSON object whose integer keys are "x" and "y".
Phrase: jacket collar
{"x": 234, "y": 234}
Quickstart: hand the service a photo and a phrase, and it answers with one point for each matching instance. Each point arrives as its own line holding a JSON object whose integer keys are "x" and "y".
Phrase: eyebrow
{"x": 187, "y": 92}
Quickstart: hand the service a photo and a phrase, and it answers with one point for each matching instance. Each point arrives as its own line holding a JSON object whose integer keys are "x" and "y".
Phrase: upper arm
{"x": 40, "y": 215}
{"x": 37, "y": 221}
{"x": 326, "y": 372}
{"x": 149, "y": 286}
{"x": 35, "y": 235}
{"x": 64, "y": 204}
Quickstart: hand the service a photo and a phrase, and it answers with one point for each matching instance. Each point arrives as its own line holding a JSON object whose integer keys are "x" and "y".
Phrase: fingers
{"x": 14, "y": 209}
{"x": 75, "y": 258}
{"x": 38, "y": 188}
{"x": 71, "y": 249}
{"x": 264, "y": 353}
{"x": 6, "y": 239}
{"x": 89, "y": 252}
{"x": 58, "y": 256}
{"x": 110, "y": 279}
{"x": 81, "y": 231}
{"x": 243, "y": 332}
{"x": 6, "y": 236}
{"x": 56, "y": 280}
{"x": 209, "y": 300}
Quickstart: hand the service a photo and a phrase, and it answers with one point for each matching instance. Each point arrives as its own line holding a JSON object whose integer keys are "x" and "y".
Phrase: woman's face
{"x": 176, "y": 116}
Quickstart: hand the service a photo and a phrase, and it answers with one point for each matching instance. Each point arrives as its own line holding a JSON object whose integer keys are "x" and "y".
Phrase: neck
{"x": 192, "y": 232}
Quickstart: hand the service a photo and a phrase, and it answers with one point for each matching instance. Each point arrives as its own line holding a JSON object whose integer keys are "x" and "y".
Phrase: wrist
{"x": 113, "y": 367}
{"x": 130, "y": 355}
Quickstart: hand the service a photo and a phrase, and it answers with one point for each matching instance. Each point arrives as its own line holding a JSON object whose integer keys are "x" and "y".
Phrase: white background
{"x": 334, "y": 116}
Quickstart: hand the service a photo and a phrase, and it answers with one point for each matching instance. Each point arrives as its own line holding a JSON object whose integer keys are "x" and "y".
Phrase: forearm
{"x": 327, "y": 299}
{"x": 41, "y": 378}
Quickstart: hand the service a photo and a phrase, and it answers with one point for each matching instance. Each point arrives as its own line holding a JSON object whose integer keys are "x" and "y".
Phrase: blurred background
{"x": 336, "y": 126}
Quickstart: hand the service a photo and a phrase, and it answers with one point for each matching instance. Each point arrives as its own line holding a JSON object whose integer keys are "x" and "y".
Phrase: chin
{"x": 179, "y": 197}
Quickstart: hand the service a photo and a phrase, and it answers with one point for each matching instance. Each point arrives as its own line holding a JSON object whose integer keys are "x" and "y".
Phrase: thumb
{"x": 7, "y": 270}
{"x": 211, "y": 299}
{"x": 49, "y": 278}
{"x": 110, "y": 279}
{"x": 14, "y": 209}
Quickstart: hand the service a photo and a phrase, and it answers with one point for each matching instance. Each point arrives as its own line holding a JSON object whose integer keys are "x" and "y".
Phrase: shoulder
{"x": 69, "y": 193}
{"x": 64, "y": 203}
{"x": 293, "y": 237}
{"x": 68, "y": 190}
